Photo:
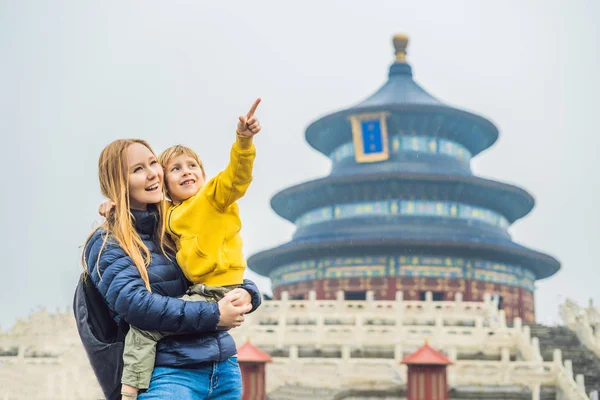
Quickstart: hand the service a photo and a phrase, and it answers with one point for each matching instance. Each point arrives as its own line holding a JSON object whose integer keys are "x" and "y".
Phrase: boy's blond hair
{"x": 176, "y": 151}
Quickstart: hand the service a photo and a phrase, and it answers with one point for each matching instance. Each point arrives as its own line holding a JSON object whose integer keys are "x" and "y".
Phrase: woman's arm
{"x": 121, "y": 285}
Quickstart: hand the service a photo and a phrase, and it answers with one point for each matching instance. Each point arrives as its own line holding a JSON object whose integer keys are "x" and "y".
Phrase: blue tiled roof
{"x": 401, "y": 94}
{"x": 400, "y": 89}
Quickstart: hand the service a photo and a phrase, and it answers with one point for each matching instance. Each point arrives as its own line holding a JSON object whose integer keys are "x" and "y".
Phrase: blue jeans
{"x": 213, "y": 380}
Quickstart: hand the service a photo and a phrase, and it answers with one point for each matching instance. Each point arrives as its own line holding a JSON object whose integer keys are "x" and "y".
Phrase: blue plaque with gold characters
{"x": 370, "y": 137}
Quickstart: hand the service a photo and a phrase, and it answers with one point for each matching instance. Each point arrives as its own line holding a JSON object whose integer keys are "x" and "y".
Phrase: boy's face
{"x": 184, "y": 178}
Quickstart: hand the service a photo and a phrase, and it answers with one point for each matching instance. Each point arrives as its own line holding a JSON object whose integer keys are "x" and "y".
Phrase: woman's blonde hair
{"x": 176, "y": 151}
{"x": 114, "y": 185}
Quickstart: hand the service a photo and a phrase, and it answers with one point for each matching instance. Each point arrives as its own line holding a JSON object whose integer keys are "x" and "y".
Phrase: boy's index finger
{"x": 253, "y": 108}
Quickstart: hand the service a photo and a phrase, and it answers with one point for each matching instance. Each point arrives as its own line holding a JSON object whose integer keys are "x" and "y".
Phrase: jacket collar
{"x": 145, "y": 222}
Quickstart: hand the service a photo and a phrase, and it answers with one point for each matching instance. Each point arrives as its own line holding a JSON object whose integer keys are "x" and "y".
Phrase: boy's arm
{"x": 231, "y": 184}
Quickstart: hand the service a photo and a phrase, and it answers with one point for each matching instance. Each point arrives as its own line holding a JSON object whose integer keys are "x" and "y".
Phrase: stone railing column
{"x": 320, "y": 330}
{"x": 487, "y": 298}
{"x": 535, "y": 344}
{"x": 458, "y": 303}
{"x": 63, "y": 381}
{"x": 293, "y": 353}
{"x": 346, "y": 352}
{"x": 359, "y": 331}
{"x": 345, "y": 365}
{"x": 592, "y": 312}
{"x": 535, "y": 392}
{"x": 452, "y": 356}
{"x": 51, "y": 385}
{"x": 502, "y": 317}
{"x": 285, "y": 297}
{"x": 527, "y": 334}
{"x": 339, "y": 297}
{"x": 585, "y": 322}
{"x": 505, "y": 360}
{"x": 479, "y": 332}
{"x": 518, "y": 323}
{"x": 522, "y": 337}
{"x": 312, "y": 301}
{"x": 21, "y": 354}
{"x": 479, "y": 322}
{"x": 568, "y": 367}
{"x": 438, "y": 335}
{"x": 505, "y": 355}
{"x": 369, "y": 301}
{"x": 282, "y": 322}
{"x": 399, "y": 311}
{"x": 494, "y": 303}
{"x": 429, "y": 301}
{"x": 580, "y": 380}
{"x": 398, "y": 353}
{"x": 557, "y": 358}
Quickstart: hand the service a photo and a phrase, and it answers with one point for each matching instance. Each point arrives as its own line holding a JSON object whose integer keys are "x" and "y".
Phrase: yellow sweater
{"x": 206, "y": 227}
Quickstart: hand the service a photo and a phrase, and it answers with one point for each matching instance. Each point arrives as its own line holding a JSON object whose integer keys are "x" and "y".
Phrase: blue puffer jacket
{"x": 119, "y": 282}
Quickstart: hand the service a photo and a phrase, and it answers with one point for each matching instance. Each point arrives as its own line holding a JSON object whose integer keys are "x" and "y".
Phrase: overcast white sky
{"x": 77, "y": 74}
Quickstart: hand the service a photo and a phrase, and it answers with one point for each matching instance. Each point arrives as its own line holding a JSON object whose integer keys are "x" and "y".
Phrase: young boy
{"x": 203, "y": 220}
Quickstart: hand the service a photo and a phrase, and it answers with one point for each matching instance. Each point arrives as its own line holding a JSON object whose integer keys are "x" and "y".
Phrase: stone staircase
{"x": 499, "y": 392}
{"x": 560, "y": 337}
{"x": 296, "y": 392}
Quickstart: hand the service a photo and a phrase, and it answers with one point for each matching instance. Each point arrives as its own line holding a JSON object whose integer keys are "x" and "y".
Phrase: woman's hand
{"x": 249, "y": 126}
{"x": 242, "y": 297}
{"x": 240, "y": 300}
{"x": 232, "y": 316}
{"x": 106, "y": 208}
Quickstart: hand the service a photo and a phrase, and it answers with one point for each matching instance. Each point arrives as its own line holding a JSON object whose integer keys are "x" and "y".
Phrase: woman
{"x": 129, "y": 259}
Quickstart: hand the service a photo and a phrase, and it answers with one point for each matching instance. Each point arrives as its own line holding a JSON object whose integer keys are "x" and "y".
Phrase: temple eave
{"x": 511, "y": 201}
{"x": 542, "y": 265}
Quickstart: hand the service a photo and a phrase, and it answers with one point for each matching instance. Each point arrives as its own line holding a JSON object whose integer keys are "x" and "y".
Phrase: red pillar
{"x": 253, "y": 362}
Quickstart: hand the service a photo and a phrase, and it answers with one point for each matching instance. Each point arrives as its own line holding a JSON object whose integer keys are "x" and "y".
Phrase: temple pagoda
{"x": 401, "y": 209}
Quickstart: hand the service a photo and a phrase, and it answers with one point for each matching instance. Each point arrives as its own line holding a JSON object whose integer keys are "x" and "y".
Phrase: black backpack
{"x": 102, "y": 338}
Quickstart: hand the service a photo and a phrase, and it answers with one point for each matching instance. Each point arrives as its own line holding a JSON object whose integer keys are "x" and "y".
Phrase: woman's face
{"x": 145, "y": 176}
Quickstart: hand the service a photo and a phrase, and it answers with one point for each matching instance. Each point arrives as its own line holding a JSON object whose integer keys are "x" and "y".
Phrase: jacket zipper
{"x": 169, "y": 219}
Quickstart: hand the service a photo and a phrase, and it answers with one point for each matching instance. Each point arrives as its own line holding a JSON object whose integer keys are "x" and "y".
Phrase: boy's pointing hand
{"x": 249, "y": 126}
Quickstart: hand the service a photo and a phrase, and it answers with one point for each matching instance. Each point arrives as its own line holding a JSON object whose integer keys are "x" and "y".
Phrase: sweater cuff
{"x": 243, "y": 143}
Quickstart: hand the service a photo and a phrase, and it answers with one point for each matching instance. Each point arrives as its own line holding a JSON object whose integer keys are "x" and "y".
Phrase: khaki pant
{"x": 140, "y": 346}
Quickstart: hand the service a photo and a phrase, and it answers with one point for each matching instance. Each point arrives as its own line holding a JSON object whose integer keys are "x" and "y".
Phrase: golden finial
{"x": 426, "y": 341}
{"x": 400, "y": 44}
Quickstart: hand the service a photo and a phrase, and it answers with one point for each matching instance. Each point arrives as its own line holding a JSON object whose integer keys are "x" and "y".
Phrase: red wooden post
{"x": 426, "y": 374}
{"x": 252, "y": 362}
